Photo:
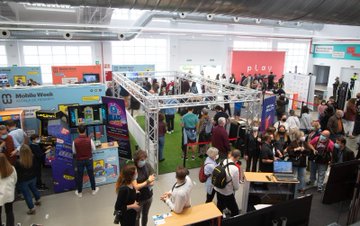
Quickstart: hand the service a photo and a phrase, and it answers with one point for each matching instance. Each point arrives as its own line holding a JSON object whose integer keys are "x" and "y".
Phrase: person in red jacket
{"x": 220, "y": 138}
{"x": 7, "y": 145}
{"x": 82, "y": 148}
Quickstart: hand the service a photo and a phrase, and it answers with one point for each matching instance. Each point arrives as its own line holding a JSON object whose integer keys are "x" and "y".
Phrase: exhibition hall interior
{"x": 179, "y": 112}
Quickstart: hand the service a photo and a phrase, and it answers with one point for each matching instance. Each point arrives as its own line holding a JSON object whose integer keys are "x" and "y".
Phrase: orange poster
{"x": 76, "y": 74}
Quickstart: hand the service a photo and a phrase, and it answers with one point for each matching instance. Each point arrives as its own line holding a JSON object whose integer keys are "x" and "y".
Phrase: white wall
{"x": 185, "y": 51}
{"x": 335, "y": 68}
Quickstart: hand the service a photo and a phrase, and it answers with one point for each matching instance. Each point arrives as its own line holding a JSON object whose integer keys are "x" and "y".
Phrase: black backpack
{"x": 218, "y": 178}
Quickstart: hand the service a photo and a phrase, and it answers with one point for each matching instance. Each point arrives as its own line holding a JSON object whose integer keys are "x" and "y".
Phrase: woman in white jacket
{"x": 8, "y": 178}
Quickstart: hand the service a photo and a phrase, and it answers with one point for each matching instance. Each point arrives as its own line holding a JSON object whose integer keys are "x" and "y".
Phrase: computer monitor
{"x": 341, "y": 182}
{"x": 91, "y": 78}
{"x": 90, "y": 115}
{"x": 296, "y": 211}
{"x": 283, "y": 167}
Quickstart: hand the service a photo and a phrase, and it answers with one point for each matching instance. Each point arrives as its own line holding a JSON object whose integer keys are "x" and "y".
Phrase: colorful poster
{"x": 62, "y": 166}
{"x": 106, "y": 167}
{"x": 258, "y": 62}
{"x": 117, "y": 128}
{"x": 73, "y": 74}
{"x": 337, "y": 51}
{"x": 12, "y": 74}
{"x": 268, "y": 113}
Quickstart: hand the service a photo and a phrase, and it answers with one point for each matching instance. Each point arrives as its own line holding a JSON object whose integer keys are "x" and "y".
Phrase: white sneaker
{"x": 95, "y": 191}
{"x": 78, "y": 194}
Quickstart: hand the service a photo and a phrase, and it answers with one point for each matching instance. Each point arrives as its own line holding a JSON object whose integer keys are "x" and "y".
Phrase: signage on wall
{"x": 337, "y": 51}
{"x": 13, "y": 74}
{"x": 258, "y": 62}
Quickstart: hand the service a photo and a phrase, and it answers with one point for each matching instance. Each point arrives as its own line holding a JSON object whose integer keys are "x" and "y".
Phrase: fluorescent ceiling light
{"x": 49, "y": 7}
{"x": 206, "y": 35}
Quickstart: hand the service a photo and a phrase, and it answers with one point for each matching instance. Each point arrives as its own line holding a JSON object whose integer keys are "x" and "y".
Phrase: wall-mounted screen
{"x": 91, "y": 78}
{"x": 87, "y": 114}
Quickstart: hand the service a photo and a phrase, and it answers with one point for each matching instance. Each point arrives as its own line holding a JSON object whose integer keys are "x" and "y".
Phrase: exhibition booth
{"x": 55, "y": 111}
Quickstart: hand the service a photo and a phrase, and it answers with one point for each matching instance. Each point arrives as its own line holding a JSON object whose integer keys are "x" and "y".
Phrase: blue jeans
{"x": 161, "y": 147}
{"x": 322, "y": 171}
{"x": 81, "y": 165}
{"x": 28, "y": 187}
{"x": 300, "y": 174}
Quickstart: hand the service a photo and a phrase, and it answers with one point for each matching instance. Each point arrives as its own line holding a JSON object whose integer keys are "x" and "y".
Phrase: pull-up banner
{"x": 268, "y": 113}
{"x": 258, "y": 62}
{"x": 117, "y": 127}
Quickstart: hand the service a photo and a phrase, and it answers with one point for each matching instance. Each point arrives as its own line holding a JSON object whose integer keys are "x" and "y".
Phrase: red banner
{"x": 258, "y": 62}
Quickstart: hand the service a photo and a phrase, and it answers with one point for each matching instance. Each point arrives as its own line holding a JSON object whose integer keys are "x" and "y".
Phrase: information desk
{"x": 195, "y": 214}
{"x": 258, "y": 185}
{"x": 106, "y": 165}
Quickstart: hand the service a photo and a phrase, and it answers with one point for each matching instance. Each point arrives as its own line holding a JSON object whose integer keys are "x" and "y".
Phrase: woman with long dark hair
{"x": 8, "y": 179}
{"x": 26, "y": 171}
{"x": 126, "y": 205}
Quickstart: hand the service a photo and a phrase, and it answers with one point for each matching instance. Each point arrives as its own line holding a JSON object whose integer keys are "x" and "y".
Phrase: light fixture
{"x": 210, "y": 16}
{"x": 182, "y": 15}
{"x": 4, "y": 34}
{"x": 298, "y": 24}
{"x": 121, "y": 37}
{"x": 280, "y": 22}
{"x": 236, "y": 19}
{"x": 67, "y": 36}
{"x": 258, "y": 21}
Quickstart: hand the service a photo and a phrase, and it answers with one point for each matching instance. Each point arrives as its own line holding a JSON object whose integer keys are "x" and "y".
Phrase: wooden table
{"x": 253, "y": 177}
{"x": 195, "y": 214}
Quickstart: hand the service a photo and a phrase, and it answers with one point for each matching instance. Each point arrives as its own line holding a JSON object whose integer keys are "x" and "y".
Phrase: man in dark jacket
{"x": 267, "y": 157}
{"x": 281, "y": 106}
{"x": 341, "y": 152}
{"x": 335, "y": 125}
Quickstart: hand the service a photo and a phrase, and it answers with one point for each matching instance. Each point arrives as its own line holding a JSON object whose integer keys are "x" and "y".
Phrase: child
{"x": 40, "y": 157}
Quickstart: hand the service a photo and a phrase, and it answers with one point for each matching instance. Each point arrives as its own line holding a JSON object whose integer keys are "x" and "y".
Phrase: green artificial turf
{"x": 172, "y": 149}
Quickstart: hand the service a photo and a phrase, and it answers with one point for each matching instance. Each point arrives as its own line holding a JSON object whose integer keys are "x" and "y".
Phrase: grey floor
{"x": 66, "y": 209}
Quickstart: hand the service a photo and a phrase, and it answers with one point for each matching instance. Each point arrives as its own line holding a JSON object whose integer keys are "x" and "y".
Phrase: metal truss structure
{"x": 217, "y": 92}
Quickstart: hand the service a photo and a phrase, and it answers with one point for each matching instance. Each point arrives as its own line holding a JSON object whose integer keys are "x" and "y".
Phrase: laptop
{"x": 283, "y": 171}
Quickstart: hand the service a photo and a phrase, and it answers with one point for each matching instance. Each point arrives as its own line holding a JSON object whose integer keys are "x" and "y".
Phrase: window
{"x": 46, "y": 56}
{"x": 296, "y": 56}
{"x": 141, "y": 51}
{"x": 252, "y": 45}
{"x": 3, "y": 58}
{"x": 127, "y": 14}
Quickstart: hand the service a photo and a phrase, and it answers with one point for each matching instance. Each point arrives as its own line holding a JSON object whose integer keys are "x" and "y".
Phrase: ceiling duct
{"x": 79, "y": 32}
{"x": 324, "y": 11}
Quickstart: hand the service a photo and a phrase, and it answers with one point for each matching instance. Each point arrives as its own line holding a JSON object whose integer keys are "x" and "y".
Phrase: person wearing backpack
{"x": 205, "y": 127}
{"x": 209, "y": 165}
{"x": 228, "y": 173}
{"x": 322, "y": 146}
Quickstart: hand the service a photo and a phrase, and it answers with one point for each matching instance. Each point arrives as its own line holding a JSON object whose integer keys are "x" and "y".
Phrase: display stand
{"x": 302, "y": 84}
{"x": 17, "y": 116}
{"x": 152, "y": 104}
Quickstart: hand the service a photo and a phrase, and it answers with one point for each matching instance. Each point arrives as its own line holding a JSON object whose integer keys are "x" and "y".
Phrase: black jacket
{"x": 347, "y": 155}
{"x": 266, "y": 153}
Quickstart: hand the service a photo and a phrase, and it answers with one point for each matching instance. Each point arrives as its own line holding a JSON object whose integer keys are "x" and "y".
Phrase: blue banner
{"x": 12, "y": 74}
{"x": 36, "y": 98}
{"x": 63, "y": 172}
{"x": 117, "y": 128}
{"x": 268, "y": 113}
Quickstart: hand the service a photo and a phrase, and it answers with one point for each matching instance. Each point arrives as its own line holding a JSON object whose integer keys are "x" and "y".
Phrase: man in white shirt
{"x": 18, "y": 135}
{"x": 293, "y": 121}
{"x": 178, "y": 197}
{"x": 226, "y": 196}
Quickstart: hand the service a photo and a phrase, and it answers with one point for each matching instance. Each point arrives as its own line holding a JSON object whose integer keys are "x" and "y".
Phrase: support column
{"x": 152, "y": 137}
